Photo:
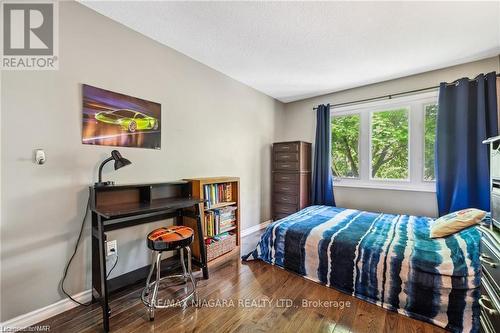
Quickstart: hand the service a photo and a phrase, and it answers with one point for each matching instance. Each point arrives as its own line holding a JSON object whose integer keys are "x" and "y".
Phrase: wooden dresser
{"x": 291, "y": 177}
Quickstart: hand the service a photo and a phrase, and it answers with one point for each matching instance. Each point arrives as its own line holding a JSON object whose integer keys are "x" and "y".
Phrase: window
{"x": 125, "y": 113}
{"x": 430, "y": 121}
{"x": 345, "y": 146}
{"x": 389, "y": 144}
{"x": 385, "y": 144}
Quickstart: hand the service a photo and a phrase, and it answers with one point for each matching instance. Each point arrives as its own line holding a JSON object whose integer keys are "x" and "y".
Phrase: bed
{"x": 385, "y": 259}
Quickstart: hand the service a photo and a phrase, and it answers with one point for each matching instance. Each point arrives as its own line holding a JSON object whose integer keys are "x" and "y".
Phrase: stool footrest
{"x": 146, "y": 291}
{"x": 169, "y": 305}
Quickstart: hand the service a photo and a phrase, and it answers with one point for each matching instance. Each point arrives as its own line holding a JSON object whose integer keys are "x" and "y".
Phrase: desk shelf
{"x": 115, "y": 210}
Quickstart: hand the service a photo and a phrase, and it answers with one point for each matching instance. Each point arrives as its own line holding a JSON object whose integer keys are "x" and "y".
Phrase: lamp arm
{"x": 101, "y": 166}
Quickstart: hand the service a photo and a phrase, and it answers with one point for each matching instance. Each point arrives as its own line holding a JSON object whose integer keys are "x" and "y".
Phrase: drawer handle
{"x": 487, "y": 260}
{"x": 285, "y": 178}
{"x": 285, "y": 188}
{"x": 284, "y": 198}
{"x": 285, "y": 165}
{"x": 490, "y": 311}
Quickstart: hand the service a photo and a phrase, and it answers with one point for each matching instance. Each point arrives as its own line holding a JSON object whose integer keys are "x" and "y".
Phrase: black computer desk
{"x": 117, "y": 207}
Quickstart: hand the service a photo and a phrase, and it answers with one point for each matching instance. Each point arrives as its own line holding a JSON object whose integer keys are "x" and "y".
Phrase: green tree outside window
{"x": 345, "y": 146}
{"x": 430, "y": 121}
{"x": 389, "y": 144}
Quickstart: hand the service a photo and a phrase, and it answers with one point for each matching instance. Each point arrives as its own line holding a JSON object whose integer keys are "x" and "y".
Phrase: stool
{"x": 168, "y": 239}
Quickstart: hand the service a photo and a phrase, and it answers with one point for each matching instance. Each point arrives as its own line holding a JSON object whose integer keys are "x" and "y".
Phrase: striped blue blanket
{"x": 385, "y": 259}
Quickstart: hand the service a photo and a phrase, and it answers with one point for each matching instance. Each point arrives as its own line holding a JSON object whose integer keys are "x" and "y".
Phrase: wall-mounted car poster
{"x": 113, "y": 119}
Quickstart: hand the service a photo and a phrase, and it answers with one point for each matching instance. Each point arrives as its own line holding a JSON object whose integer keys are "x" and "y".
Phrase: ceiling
{"x": 295, "y": 50}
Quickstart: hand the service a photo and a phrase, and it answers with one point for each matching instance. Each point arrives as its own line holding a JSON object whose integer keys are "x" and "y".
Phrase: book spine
{"x": 206, "y": 196}
{"x": 212, "y": 194}
{"x": 216, "y": 186}
{"x": 211, "y": 224}
{"x": 229, "y": 193}
{"x": 205, "y": 225}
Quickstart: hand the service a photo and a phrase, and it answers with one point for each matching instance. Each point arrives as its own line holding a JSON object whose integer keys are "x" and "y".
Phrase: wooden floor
{"x": 226, "y": 306}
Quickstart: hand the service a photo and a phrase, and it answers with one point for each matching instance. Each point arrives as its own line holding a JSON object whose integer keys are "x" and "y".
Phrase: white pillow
{"x": 456, "y": 221}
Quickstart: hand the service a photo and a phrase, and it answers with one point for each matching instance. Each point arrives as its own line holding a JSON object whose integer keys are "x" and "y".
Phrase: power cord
{"x": 73, "y": 255}
{"x": 114, "y": 265}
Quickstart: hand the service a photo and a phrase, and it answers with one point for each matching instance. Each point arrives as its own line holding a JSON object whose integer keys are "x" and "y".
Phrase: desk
{"x": 116, "y": 207}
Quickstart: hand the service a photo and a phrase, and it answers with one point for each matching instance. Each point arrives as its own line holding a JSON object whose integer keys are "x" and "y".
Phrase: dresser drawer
{"x": 490, "y": 260}
{"x": 286, "y": 147}
{"x": 490, "y": 308}
{"x": 290, "y": 188}
{"x": 286, "y": 177}
{"x": 286, "y": 157}
{"x": 285, "y": 209}
{"x": 285, "y": 198}
{"x": 286, "y": 166}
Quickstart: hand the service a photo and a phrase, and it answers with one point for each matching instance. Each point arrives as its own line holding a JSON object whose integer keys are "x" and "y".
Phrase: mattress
{"x": 385, "y": 259}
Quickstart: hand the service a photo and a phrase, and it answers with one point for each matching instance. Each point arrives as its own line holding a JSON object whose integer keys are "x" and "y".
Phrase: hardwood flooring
{"x": 245, "y": 297}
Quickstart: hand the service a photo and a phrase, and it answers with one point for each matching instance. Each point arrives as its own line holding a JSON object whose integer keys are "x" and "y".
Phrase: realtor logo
{"x": 29, "y": 36}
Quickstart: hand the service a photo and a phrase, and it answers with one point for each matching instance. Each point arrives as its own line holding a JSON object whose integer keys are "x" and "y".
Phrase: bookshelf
{"x": 221, "y": 208}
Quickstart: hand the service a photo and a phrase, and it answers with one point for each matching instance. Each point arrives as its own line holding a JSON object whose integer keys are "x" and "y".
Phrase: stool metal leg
{"x": 188, "y": 250}
{"x": 190, "y": 272}
{"x": 148, "y": 280}
{"x": 183, "y": 263}
{"x": 155, "y": 288}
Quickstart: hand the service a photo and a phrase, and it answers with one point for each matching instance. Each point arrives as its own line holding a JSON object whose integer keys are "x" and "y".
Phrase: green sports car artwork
{"x": 129, "y": 120}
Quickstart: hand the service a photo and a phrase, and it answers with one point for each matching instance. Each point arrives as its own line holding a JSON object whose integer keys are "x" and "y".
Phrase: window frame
{"x": 415, "y": 104}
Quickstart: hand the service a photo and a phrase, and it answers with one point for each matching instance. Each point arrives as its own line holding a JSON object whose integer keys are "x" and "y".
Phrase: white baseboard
{"x": 248, "y": 231}
{"x": 34, "y": 317}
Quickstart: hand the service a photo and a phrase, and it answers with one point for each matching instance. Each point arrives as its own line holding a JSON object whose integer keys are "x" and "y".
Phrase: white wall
{"x": 300, "y": 124}
{"x": 43, "y": 205}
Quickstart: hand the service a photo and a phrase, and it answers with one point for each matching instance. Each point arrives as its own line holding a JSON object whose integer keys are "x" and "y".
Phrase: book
{"x": 217, "y": 193}
{"x": 219, "y": 220}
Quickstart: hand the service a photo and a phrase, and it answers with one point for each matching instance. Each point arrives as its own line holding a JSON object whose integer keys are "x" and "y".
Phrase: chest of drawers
{"x": 490, "y": 280}
{"x": 291, "y": 177}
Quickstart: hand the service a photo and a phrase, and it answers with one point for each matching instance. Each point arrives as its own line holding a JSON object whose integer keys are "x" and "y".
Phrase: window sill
{"x": 430, "y": 187}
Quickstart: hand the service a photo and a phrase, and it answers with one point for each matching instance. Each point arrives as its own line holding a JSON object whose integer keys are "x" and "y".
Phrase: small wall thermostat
{"x": 40, "y": 156}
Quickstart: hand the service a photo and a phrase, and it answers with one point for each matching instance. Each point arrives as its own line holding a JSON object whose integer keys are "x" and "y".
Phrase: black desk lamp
{"x": 120, "y": 162}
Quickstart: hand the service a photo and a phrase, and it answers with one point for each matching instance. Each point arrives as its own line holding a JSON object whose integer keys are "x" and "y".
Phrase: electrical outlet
{"x": 111, "y": 248}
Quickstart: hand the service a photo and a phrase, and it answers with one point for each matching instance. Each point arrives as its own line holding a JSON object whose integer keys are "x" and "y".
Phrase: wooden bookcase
{"x": 198, "y": 192}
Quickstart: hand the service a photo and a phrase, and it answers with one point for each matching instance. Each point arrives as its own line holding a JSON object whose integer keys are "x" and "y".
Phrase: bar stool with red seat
{"x": 168, "y": 239}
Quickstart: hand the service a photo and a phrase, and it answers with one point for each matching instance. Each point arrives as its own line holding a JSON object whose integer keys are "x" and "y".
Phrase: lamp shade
{"x": 120, "y": 161}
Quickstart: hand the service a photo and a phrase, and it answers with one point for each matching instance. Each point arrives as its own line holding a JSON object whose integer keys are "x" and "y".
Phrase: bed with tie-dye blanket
{"x": 385, "y": 259}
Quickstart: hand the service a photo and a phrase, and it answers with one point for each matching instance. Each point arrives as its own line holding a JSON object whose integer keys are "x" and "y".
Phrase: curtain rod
{"x": 391, "y": 95}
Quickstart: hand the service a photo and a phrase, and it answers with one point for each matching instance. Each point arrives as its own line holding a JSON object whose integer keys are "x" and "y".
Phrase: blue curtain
{"x": 467, "y": 115}
{"x": 322, "y": 185}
